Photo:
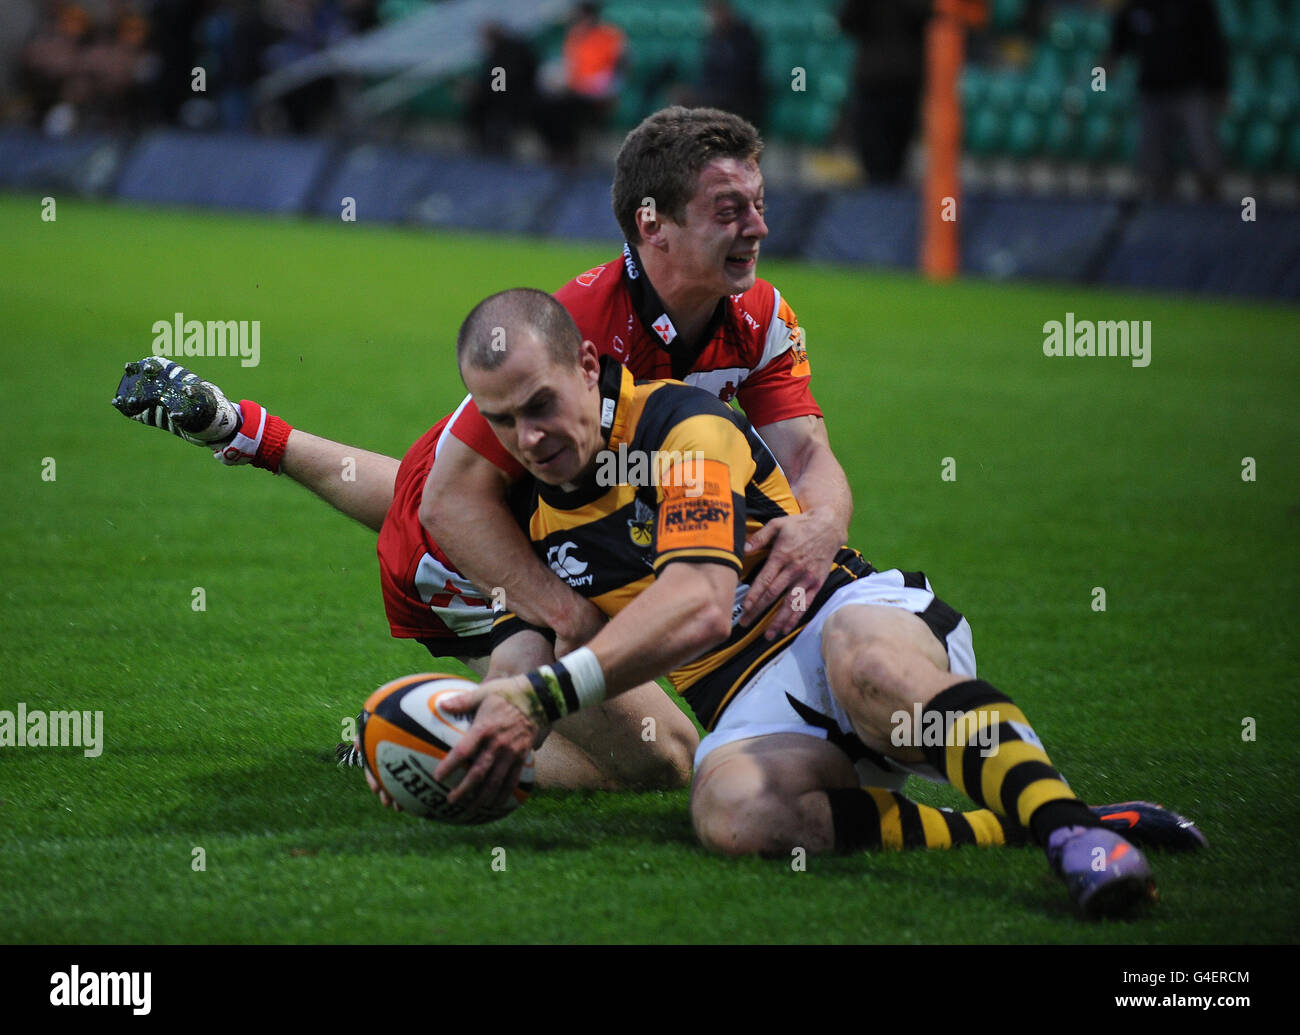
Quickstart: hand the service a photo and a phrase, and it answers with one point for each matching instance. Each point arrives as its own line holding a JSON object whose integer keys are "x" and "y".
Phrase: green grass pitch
{"x": 1071, "y": 474}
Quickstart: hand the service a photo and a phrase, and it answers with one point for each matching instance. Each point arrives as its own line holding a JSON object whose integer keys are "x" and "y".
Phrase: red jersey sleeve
{"x": 468, "y": 425}
{"x": 780, "y": 388}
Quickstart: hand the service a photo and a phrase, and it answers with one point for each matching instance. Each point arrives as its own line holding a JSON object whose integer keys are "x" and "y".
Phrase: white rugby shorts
{"x": 763, "y": 705}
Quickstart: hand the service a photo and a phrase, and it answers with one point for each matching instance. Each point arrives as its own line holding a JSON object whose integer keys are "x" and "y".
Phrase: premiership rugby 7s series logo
{"x": 703, "y": 521}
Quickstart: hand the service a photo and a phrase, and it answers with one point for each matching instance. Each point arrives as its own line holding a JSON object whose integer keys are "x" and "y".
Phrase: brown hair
{"x": 663, "y": 156}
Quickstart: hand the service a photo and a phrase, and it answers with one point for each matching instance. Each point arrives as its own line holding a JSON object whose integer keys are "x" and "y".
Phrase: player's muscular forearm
{"x": 355, "y": 481}
{"x": 803, "y": 450}
{"x": 802, "y": 546}
{"x": 683, "y": 614}
{"x": 464, "y": 509}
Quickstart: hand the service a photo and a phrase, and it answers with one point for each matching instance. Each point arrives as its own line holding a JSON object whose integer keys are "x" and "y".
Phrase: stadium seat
{"x": 1025, "y": 134}
{"x": 1005, "y": 92}
{"x": 1061, "y": 138}
{"x": 1260, "y": 145}
{"x": 1229, "y": 130}
{"x": 985, "y": 131}
{"x": 1006, "y": 15}
{"x": 1246, "y": 91}
{"x": 1040, "y": 98}
{"x": 1284, "y": 87}
{"x": 1232, "y": 19}
{"x": 1291, "y": 157}
{"x": 825, "y": 26}
{"x": 974, "y": 88}
{"x": 1100, "y": 137}
{"x": 1265, "y": 30}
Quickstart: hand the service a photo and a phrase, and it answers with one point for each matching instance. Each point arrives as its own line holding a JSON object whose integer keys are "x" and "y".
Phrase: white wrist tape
{"x": 588, "y": 677}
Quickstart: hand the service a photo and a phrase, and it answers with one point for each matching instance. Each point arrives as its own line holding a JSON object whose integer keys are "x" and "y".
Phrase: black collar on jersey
{"x": 654, "y": 315}
{"x": 616, "y": 386}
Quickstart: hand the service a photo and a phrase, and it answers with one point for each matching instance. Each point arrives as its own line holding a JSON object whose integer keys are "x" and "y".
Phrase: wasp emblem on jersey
{"x": 641, "y": 525}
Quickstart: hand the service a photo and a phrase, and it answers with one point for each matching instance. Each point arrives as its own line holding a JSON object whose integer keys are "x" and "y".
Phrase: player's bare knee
{"x": 669, "y": 753}
{"x": 677, "y": 753}
{"x": 737, "y": 816}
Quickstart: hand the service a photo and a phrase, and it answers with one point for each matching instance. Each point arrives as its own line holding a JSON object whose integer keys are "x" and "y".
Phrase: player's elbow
{"x": 435, "y": 514}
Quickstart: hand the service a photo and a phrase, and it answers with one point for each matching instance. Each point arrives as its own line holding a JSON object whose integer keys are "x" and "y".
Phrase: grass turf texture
{"x": 1070, "y": 474}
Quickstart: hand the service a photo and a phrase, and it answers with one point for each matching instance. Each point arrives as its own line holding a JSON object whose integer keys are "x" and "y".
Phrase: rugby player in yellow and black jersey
{"x": 679, "y": 477}
{"x": 645, "y": 495}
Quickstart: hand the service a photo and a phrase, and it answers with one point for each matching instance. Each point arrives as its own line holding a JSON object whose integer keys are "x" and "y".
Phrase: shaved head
{"x": 485, "y": 337}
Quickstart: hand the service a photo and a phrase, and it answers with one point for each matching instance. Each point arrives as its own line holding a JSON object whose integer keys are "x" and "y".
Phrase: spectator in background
{"x": 175, "y": 24}
{"x": 731, "y": 74}
{"x": 503, "y": 94}
{"x": 302, "y": 28}
{"x": 888, "y": 78}
{"x": 51, "y": 65}
{"x": 119, "y": 67}
{"x": 79, "y": 73}
{"x": 593, "y": 62}
{"x": 231, "y": 37}
{"x": 1182, "y": 79}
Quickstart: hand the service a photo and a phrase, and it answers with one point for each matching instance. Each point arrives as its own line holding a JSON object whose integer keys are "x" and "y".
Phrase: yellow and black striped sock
{"x": 992, "y": 755}
{"x": 874, "y": 818}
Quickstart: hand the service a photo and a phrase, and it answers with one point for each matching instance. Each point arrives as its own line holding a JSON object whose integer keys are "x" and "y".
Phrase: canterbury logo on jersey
{"x": 563, "y": 562}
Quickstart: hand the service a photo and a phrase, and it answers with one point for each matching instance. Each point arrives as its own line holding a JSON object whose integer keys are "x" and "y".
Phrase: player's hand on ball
{"x": 507, "y": 725}
{"x": 372, "y": 783}
{"x": 803, "y": 547}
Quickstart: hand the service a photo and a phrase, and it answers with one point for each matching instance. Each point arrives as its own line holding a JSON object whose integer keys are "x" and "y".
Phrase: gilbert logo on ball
{"x": 405, "y": 734}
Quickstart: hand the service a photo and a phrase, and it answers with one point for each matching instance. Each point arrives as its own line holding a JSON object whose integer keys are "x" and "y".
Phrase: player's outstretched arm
{"x": 683, "y": 614}
{"x": 803, "y": 545}
{"x": 163, "y": 394}
{"x": 464, "y": 509}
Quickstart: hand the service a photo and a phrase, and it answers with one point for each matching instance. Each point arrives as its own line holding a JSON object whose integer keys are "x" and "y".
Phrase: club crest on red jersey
{"x": 665, "y": 329}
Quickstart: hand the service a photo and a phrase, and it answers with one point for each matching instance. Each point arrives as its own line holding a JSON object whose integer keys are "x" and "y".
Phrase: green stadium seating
{"x": 1265, "y": 29}
{"x": 1291, "y": 158}
{"x": 1284, "y": 84}
{"x": 1061, "y": 139}
{"x": 1260, "y": 145}
{"x": 1005, "y": 92}
{"x": 1025, "y": 133}
{"x": 1100, "y": 137}
{"x": 1229, "y": 134}
{"x": 984, "y": 131}
{"x": 1006, "y": 15}
{"x": 1232, "y": 19}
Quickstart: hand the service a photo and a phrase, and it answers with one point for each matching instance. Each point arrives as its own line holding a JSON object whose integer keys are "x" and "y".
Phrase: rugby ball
{"x": 404, "y": 735}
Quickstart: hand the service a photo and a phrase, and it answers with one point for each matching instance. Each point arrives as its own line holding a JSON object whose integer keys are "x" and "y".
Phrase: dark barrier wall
{"x": 227, "y": 171}
{"x": 1174, "y": 247}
